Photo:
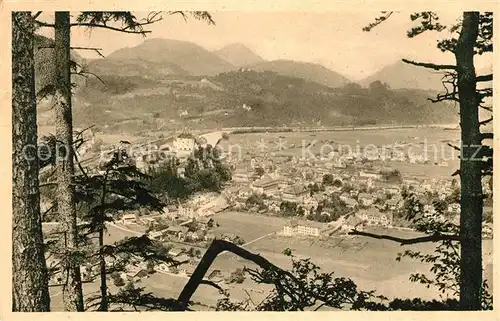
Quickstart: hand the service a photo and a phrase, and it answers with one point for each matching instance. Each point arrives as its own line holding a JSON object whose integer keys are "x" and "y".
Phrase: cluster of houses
{"x": 288, "y": 178}
{"x": 178, "y": 229}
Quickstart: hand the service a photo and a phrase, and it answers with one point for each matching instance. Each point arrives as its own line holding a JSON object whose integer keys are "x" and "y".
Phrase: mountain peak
{"x": 238, "y": 54}
{"x": 185, "y": 55}
{"x": 402, "y": 75}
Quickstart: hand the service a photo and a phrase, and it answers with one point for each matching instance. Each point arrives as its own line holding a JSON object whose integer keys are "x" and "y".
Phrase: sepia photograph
{"x": 252, "y": 161}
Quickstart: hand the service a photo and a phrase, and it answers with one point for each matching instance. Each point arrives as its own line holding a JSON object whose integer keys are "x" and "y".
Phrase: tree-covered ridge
{"x": 251, "y": 98}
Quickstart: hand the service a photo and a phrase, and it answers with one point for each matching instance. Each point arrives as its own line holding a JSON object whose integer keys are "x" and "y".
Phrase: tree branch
{"x": 89, "y": 48}
{"x": 485, "y": 78}
{"x": 84, "y": 74}
{"x": 486, "y": 121}
{"x": 217, "y": 247}
{"x": 211, "y": 283}
{"x": 430, "y": 65}
{"x": 36, "y": 15}
{"x": 453, "y": 146}
{"x": 378, "y": 20}
{"x": 486, "y": 108}
{"x": 486, "y": 136}
{"x": 91, "y": 25}
{"x": 423, "y": 239}
{"x": 443, "y": 97}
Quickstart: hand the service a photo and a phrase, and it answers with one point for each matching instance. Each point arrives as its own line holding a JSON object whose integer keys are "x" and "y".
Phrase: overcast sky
{"x": 335, "y": 40}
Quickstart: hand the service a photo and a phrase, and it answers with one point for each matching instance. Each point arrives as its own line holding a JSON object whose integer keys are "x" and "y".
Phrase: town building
{"x": 365, "y": 199}
{"x": 245, "y": 192}
{"x": 156, "y": 235}
{"x": 295, "y": 193}
{"x": 129, "y": 219}
{"x": 294, "y": 228}
{"x": 351, "y": 203}
{"x": 177, "y": 231}
{"x": 372, "y": 175}
{"x": 352, "y": 222}
{"x": 174, "y": 252}
{"x": 184, "y": 145}
{"x": 373, "y": 217}
{"x": 215, "y": 276}
{"x": 394, "y": 203}
{"x": 241, "y": 175}
{"x": 265, "y": 185}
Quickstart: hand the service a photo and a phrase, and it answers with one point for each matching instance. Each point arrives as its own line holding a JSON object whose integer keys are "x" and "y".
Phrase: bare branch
{"x": 485, "y": 78}
{"x": 180, "y": 13}
{"x": 430, "y": 65}
{"x": 423, "y": 239}
{"x": 217, "y": 247}
{"x": 486, "y": 136}
{"x": 36, "y": 15}
{"x": 84, "y": 73}
{"x": 486, "y": 121}
{"x": 486, "y": 108}
{"x": 48, "y": 210}
{"x": 125, "y": 29}
{"x": 211, "y": 283}
{"x": 453, "y": 146}
{"x": 90, "y": 48}
{"x": 443, "y": 97}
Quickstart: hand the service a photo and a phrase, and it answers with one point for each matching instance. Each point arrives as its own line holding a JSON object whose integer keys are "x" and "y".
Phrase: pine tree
{"x": 471, "y": 36}
{"x": 61, "y": 91}
{"x": 29, "y": 273}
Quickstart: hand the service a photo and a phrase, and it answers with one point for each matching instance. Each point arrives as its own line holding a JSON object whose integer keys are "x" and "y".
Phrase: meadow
{"x": 371, "y": 263}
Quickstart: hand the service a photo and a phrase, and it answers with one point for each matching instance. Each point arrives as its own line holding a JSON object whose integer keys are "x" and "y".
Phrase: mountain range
{"x": 184, "y": 83}
{"x": 156, "y": 58}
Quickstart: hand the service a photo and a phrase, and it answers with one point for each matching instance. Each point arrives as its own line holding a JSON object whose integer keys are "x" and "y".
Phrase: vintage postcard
{"x": 324, "y": 157}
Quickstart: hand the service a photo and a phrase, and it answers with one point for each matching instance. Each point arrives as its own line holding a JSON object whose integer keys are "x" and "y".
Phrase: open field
{"x": 249, "y": 226}
{"x": 369, "y": 262}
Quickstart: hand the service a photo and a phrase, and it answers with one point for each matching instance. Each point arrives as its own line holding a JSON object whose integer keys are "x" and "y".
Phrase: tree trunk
{"x": 72, "y": 291}
{"x": 471, "y": 202}
{"x": 102, "y": 261}
{"x": 30, "y": 292}
{"x": 102, "y": 264}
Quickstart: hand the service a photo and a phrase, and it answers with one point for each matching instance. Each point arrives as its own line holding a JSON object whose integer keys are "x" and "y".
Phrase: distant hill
{"x": 304, "y": 70}
{"x": 403, "y": 75}
{"x": 247, "y": 98}
{"x": 135, "y": 67}
{"x": 162, "y": 85}
{"x": 169, "y": 57}
{"x": 238, "y": 55}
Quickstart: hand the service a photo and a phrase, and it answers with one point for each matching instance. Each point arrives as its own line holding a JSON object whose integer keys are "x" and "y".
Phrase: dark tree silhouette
{"x": 30, "y": 291}
{"x": 471, "y": 36}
